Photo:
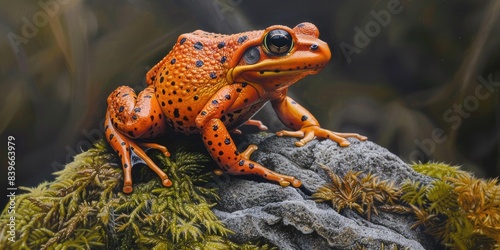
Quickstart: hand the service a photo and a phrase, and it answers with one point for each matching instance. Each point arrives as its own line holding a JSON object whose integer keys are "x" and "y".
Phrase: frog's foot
{"x": 136, "y": 151}
{"x": 307, "y": 134}
{"x": 251, "y": 122}
{"x": 126, "y": 148}
{"x": 247, "y": 166}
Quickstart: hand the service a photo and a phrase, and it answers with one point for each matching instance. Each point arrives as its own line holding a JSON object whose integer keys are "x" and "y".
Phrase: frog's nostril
{"x": 314, "y": 47}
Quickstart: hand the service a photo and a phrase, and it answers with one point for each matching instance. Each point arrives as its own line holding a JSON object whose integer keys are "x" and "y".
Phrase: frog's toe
{"x": 296, "y": 183}
{"x": 257, "y": 124}
{"x": 341, "y": 137}
{"x": 344, "y": 143}
{"x": 166, "y": 182}
{"x": 284, "y": 183}
{"x": 156, "y": 146}
{"x": 236, "y": 131}
{"x": 249, "y": 151}
{"x": 218, "y": 172}
{"x": 128, "y": 189}
{"x": 298, "y": 134}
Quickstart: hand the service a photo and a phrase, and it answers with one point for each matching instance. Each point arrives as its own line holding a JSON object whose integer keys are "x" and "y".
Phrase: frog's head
{"x": 279, "y": 56}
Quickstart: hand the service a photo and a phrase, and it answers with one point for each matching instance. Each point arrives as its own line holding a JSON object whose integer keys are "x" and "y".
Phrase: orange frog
{"x": 211, "y": 84}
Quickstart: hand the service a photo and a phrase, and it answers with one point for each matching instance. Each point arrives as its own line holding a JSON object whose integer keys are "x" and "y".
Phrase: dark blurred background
{"x": 421, "y": 78}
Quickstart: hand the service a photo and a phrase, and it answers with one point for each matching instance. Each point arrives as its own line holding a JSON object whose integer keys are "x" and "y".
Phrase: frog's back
{"x": 192, "y": 72}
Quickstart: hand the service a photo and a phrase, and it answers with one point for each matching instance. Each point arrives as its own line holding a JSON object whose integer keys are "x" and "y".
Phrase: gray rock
{"x": 257, "y": 210}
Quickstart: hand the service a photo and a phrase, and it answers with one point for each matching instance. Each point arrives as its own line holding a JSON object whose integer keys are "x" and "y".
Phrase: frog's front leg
{"x": 130, "y": 117}
{"x": 307, "y": 127}
{"x": 219, "y": 143}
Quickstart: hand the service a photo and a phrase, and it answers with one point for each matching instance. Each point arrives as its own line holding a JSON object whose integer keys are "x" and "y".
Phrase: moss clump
{"x": 361, "y": 193}
{"x": 461, "y": 211}
{"x": 85, "y": 209}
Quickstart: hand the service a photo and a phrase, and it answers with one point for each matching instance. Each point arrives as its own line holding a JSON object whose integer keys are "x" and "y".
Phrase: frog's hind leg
{"x": 126, "y": 148}
{"x": 129, "y": 117}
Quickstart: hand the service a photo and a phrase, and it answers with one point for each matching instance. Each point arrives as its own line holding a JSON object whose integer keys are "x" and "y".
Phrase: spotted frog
{"x": 211, "y": 84}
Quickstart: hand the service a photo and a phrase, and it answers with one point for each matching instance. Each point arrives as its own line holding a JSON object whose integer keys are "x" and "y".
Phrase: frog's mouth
{"x": 261, "y": 73}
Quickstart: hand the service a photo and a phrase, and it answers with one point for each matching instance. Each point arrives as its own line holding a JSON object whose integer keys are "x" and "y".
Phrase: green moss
{"x": 358, "y": 192}
{"x": 461, "y": 211}
{"x": 438, "y": 170}
{"x": 84, "y": 208}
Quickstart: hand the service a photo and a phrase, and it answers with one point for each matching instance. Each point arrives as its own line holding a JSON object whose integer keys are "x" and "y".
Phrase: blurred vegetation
{"x": 398, "y": 90}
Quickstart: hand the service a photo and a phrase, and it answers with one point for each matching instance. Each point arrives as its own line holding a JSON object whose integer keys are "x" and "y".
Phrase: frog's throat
{"x": 235, "y": 72}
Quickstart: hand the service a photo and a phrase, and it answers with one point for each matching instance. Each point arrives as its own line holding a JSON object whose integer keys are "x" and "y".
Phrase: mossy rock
{"x": 289, "y": 218}
{"x": 84, "y": 208}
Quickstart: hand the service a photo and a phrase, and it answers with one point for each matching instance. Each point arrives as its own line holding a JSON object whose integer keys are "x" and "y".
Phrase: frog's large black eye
{"x": 278, "y": 42}
{"x": 252, "y": 55}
